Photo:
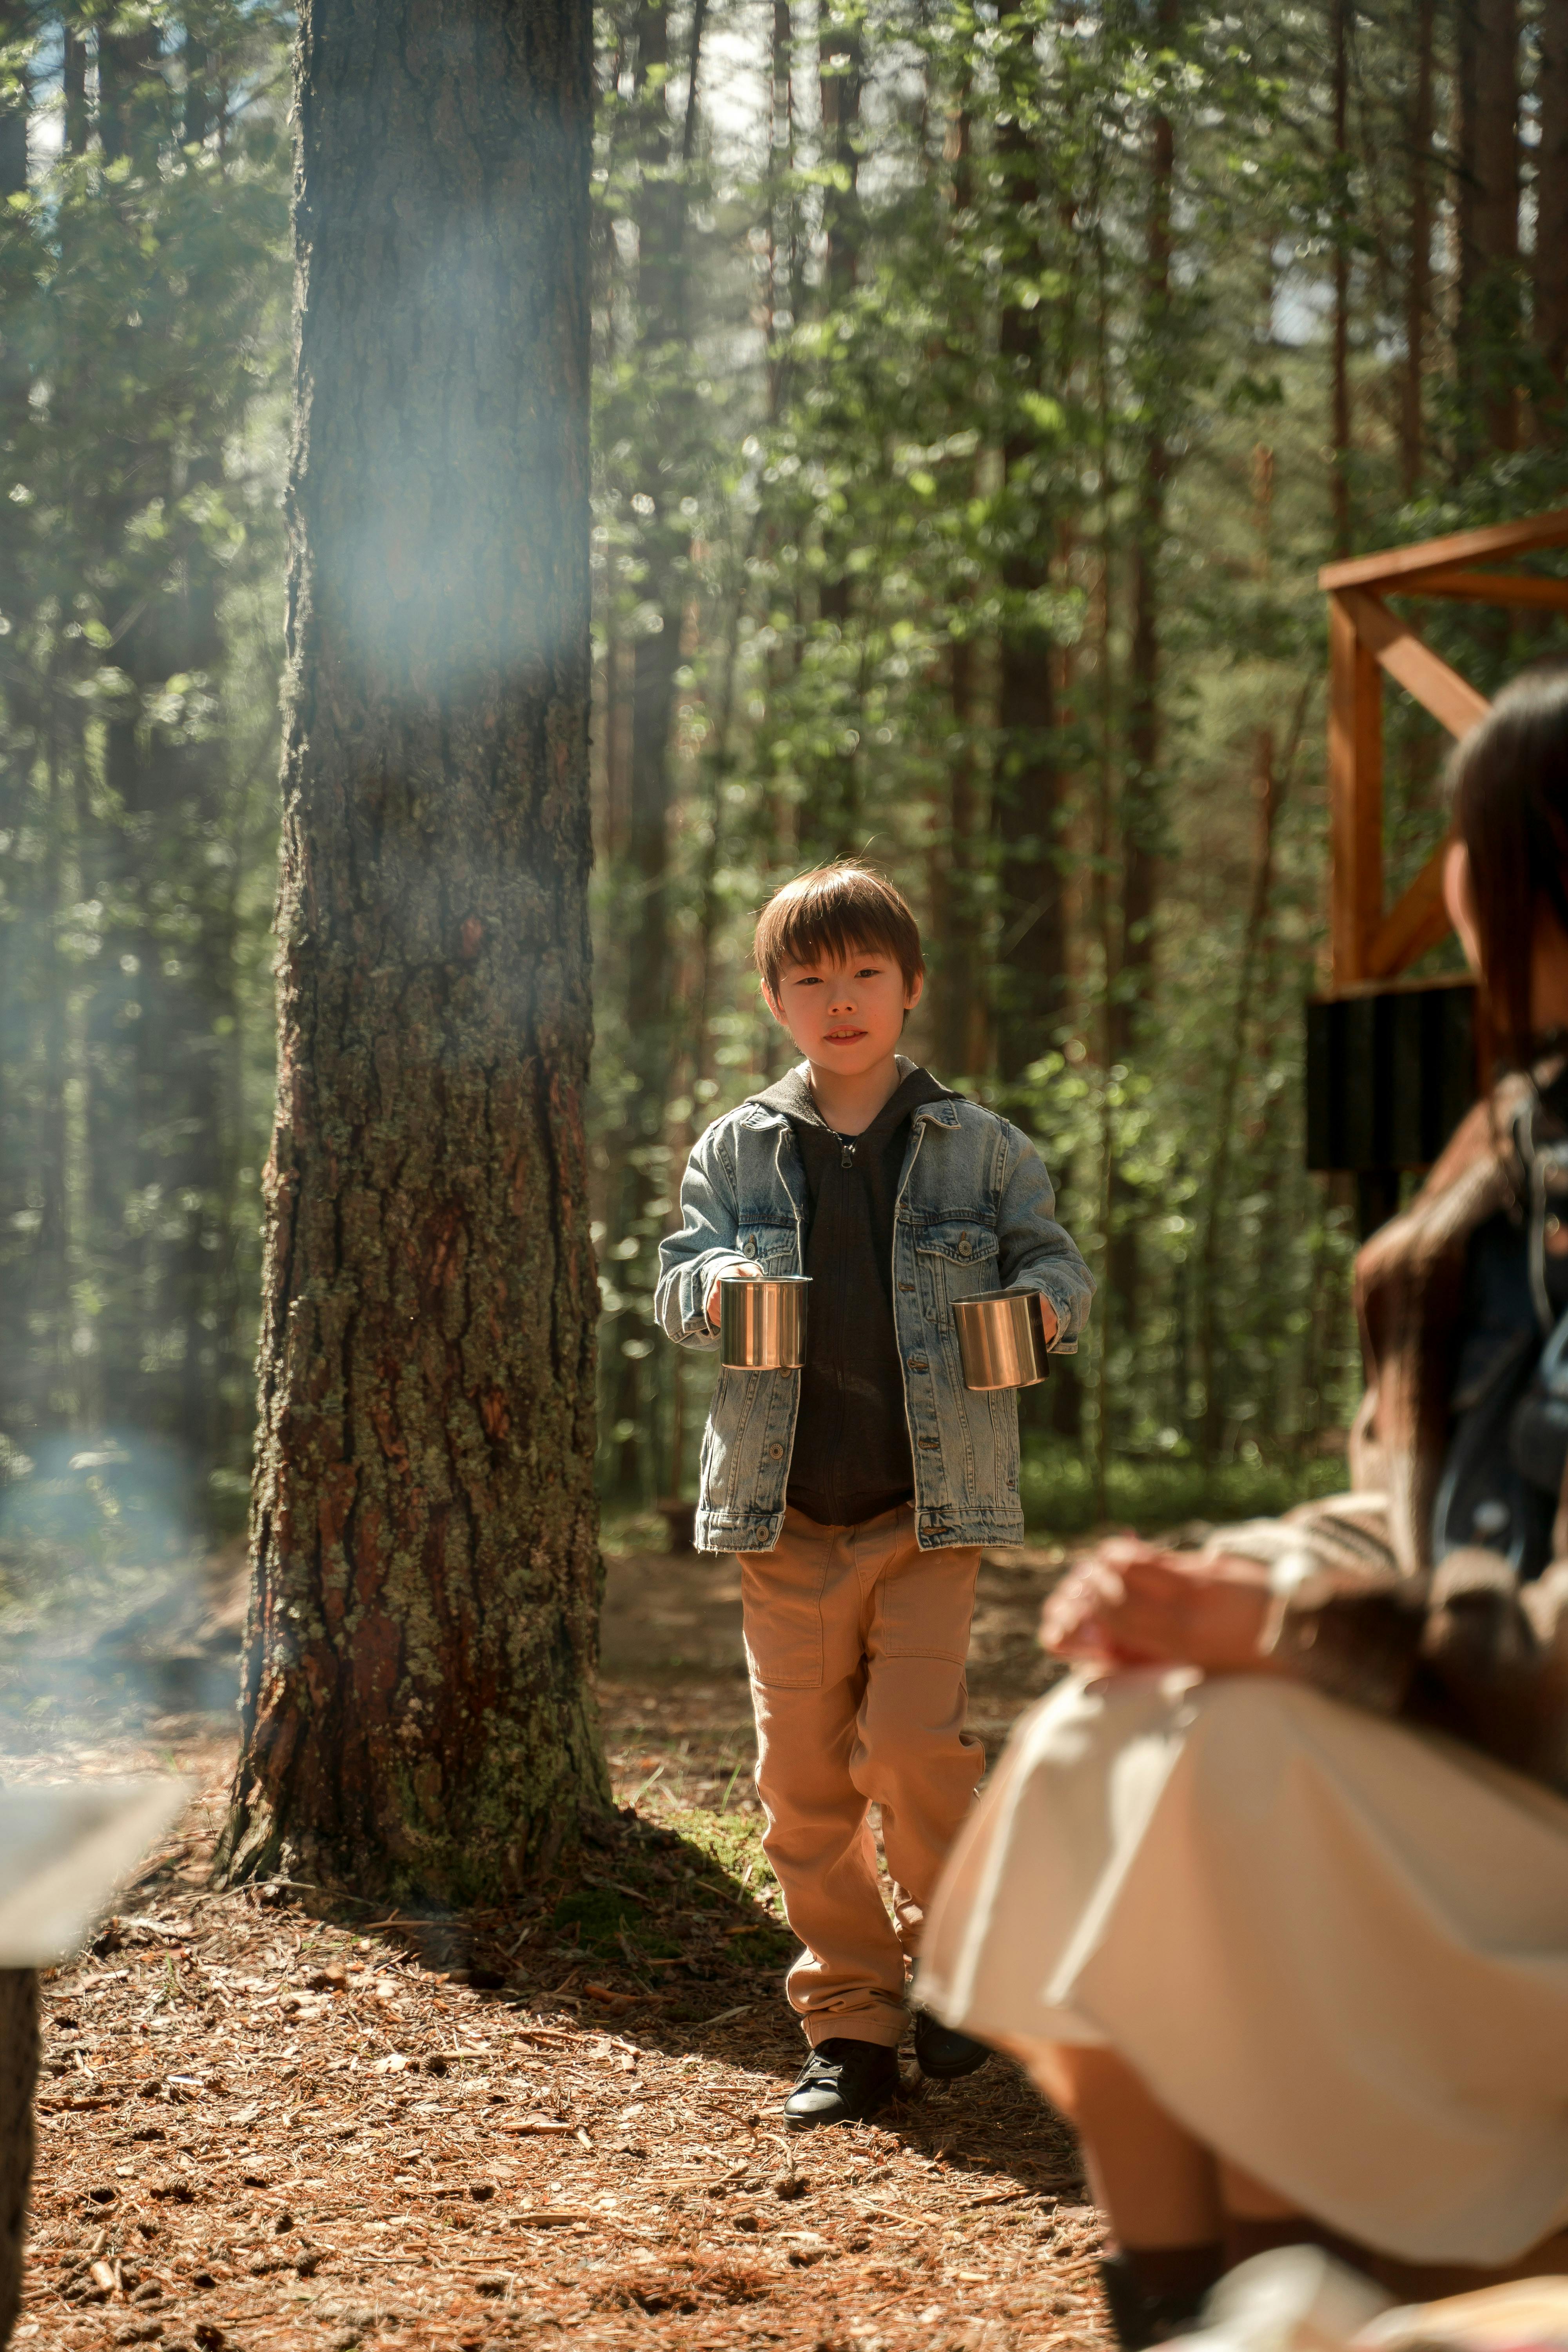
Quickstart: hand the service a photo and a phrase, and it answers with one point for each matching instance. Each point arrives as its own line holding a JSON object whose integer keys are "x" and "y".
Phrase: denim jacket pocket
{"x": 958, "y": 1258}
{"x": 768, "y": 1245}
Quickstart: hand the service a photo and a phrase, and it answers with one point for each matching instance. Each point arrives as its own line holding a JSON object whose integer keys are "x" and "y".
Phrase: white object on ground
{"x": 1296, "y": 2300}
{"x": 64, "y": 1849}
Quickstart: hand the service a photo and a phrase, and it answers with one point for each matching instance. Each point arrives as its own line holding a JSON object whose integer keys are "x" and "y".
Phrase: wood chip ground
{"x": 269, "y": 2124}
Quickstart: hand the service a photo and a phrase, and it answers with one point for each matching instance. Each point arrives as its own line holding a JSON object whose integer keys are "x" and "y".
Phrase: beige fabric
{"x": 1336, "y": 1948}
{"x": 855, "y": 1640}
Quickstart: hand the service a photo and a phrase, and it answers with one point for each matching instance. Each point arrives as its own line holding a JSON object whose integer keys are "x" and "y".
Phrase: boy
{"x": 859, "y": 1491}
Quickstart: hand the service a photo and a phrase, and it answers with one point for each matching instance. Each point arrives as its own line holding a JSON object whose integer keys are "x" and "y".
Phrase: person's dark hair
{"x": 1509, "y": 779}
{"x": 837, "y": 911}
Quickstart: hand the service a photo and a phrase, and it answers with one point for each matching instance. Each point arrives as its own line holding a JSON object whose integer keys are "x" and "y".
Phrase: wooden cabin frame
{"x": 1369, "y": 942}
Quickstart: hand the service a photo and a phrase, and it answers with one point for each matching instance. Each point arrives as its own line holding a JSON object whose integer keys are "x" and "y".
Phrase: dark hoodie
{"x": 851, "y": 1457}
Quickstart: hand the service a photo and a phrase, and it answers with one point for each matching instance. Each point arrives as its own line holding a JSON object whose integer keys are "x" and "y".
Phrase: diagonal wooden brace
{"x": 1452, "y": 700}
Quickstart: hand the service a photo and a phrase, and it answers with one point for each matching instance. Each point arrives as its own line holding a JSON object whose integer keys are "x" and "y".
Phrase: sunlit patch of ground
{"x": 259, "y": 2128}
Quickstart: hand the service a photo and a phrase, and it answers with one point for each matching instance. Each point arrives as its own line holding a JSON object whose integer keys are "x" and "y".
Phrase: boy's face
{"x": 849, "y": 1016}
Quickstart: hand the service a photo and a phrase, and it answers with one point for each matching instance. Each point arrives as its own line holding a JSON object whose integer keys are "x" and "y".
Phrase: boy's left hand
{"x": 1135, "y": 1605}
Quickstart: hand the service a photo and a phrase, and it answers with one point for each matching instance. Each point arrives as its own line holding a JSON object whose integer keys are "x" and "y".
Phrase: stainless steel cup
{"x": 761, "y": 1324}
{"x": 1002, "y": 1340}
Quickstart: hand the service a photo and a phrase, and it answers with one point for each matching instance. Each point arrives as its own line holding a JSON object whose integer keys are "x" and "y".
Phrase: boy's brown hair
{"x": 832, "y": 913}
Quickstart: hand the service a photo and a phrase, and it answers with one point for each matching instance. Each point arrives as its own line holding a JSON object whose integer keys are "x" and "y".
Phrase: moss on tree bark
{"x": 417, "y": 1707}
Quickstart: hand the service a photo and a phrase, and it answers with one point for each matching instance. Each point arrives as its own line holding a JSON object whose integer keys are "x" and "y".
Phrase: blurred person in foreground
{"x": 1270, "y": 1897}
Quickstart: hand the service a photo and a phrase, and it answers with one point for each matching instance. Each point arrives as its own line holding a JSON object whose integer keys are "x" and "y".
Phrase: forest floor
{"x": 262, "y": 2128}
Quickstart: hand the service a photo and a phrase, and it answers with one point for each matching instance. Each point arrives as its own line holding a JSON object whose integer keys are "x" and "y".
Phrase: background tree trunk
{"x": 1487, "y": 207}
{"x": 1418, "y": 274}
{"x": 1026, "y": 793}
{"x": 417, "y": 1705}
{"x": 1340, "y": 369}
{"x": 1142, "y": 811}
{"x": 835, "y": 826}
{"x": 958, "y": 920}
{"x": 20, "y": 909}
{"x": 1551, "y": 190}
{"x": 650, "y": 1010}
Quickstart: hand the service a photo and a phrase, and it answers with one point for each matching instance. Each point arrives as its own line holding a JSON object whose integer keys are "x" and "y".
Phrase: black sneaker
{"x": 944, "y": 2056}
{"x": 841, "y": 2081}
{"x": 1139, "y": 2321}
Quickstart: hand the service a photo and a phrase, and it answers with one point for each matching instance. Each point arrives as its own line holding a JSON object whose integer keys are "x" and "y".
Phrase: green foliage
{"x": 897, "y": 409}
{"x": 1060, "y": 1493}
{"x": 935, "y": 396}
{"x": 144, "y": 283}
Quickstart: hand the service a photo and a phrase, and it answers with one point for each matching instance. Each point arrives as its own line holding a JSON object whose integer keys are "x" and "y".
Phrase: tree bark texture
{"x": 18, "y": 2079}
{"x": 416, "y": 1703}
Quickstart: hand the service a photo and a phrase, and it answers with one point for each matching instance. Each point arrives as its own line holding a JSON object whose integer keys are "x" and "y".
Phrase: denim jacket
{"x": 974, "y": 1214}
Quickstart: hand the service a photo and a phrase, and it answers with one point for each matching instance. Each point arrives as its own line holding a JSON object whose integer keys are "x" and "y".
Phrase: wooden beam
{"x": 1443, "y": 554}
{"x": 1416, "y": 920}
{"x": 1450, "y": 699}
{"x": 1488, "y": 588}
{"x": 1355, "y": 797}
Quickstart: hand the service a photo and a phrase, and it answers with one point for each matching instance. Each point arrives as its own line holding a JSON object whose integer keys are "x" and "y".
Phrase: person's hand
{"x": 743, "y": 1273}
{"x": 1049, "y": 1319}
{"x": 1134, "y": 1604}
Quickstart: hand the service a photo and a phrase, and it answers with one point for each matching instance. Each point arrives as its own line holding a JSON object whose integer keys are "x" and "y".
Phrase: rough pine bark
{"x": 417, "y": 1705}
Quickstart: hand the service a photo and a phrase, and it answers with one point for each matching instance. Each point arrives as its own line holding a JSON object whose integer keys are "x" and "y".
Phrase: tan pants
{"x": 855, "y": 1640}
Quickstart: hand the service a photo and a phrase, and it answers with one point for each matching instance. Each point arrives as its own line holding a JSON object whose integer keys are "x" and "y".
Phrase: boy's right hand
{"x": 735, "y": 1273}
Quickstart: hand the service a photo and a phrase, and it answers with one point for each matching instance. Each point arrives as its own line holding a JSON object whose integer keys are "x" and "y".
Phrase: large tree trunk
{"x": 416, "y": 1706}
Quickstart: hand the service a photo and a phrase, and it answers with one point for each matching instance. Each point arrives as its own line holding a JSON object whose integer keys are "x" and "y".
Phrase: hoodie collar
{"x": 790, "y": 1097}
